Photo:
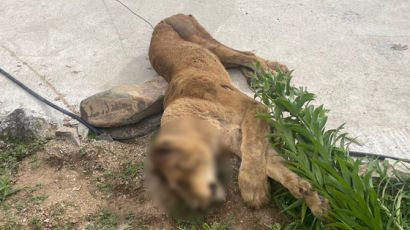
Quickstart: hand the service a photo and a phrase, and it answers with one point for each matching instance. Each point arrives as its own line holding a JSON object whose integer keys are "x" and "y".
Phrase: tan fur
{"x": 205, "y": 114}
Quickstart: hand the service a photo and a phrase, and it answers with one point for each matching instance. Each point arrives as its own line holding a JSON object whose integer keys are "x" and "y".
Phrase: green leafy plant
{"x": 357, "y": 200}
{"x": 5, "y": 188}
{"x": 273, "y": 226}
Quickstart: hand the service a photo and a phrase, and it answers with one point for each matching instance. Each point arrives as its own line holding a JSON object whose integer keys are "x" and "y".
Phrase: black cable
{"x": 70, "y": 114}
{"x": 145, "y": 20}
{"x": 379, "y": 157}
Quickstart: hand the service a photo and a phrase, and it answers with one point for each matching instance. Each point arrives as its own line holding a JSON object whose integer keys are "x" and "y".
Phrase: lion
{"x": 205, "y": 115}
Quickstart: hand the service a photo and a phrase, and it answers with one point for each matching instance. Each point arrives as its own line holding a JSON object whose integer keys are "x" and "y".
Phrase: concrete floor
{"x": 340, "y": 50}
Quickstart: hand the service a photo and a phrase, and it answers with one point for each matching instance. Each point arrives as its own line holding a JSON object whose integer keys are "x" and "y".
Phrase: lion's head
{"x": 186, "y": 167}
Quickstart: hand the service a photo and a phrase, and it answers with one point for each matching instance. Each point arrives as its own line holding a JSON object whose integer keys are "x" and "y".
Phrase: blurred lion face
{"x": 187, "y": 168}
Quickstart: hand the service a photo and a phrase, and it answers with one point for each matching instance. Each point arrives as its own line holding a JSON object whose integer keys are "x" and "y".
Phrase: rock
{"x": 104, "y": 137}
{"x": 399, "y": 47}
{"x": 70, "y": 122}
{"x": 124, "y": 227}
{"x": 68, "y": 133}
{"x": 144, "y": 126}
{"x": 83, "y": 131}
{"x": 23, "y": 124}
{"x": 125, "y": 104}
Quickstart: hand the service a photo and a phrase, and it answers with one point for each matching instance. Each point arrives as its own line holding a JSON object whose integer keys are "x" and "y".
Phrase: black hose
{"x": 380, "y": 157}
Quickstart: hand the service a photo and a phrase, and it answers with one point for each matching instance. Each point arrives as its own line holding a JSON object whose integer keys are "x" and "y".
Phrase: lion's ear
{"x": 162, "y": 152}
{"x": 162, "y": 148}
{"x": 161, "y": 156}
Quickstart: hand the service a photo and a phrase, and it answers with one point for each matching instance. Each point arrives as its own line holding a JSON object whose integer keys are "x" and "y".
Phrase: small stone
{"x": 68, "y": 133}
{"x": 104, "y": 137}
{"x": 83, "y": 131}
{"x": 124, "y": 227}
{"x": 399, "y": 47}
{"x": 69, "y": 122}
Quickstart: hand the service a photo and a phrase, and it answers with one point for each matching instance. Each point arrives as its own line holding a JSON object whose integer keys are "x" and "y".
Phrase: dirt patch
{"x": 100, "y": 185}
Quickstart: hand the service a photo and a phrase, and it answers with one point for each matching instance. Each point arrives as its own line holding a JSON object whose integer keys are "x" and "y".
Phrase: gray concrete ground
{"x": 352, "y": 54}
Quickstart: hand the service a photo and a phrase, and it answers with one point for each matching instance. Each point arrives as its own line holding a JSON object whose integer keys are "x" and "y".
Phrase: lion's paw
{"x": 273, "y": 65}
{"x": 317, "y": 204}
{"x": 299, "y": 188}
{"x": 320, "y": 208}
{"x": 255, "y": 192}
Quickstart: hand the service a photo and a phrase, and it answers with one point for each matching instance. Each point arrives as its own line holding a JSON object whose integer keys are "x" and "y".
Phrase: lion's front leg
{"x": 253, "y": 181}
{"x": 299, "y": 188}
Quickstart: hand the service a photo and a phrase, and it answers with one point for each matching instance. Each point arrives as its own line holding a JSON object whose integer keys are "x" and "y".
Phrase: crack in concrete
{"x": 43, "y": 78}
{"x": 115, "y": 27}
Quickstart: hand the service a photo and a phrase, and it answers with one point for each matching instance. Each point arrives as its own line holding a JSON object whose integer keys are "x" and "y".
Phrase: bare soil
{"x": 101, "y": 185}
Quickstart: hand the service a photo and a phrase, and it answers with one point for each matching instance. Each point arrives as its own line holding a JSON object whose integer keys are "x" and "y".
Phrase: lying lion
{"x": 206, "y": 115}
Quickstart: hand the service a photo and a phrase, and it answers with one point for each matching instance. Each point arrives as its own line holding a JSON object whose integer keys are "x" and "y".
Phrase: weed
{"x": 40, "y": 142}
{"x": 11, "y": 158}
{"x": 92, "y": 135}
{"x": 64, "y": 227}
{"x": 214, "y": 226}
{"x": 100, "y": 168}
{"x": 35, "y": 223}
{"x": 129, "y": 217}
{"x": 103, "y": 183}
{"x": 273, "y": 226}
{"x": 131, "y": 170}
{"x": 105, "y": 220}
{"x": 110, "y": 174}
{"x": 35, "y": 163}
{"x": 58, "y": 209}
{"x": 141, "y": 222}
{"x": 36, "y": 199}
{"x": 5, "y": 188}
{"x": 5, "y": 207}
{"x": 104, "y": 186}
{"x": 9, "y": 223}
{"x": 21, "y": 206}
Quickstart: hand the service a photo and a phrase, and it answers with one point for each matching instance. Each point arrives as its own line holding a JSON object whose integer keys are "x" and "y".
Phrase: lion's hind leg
{"x": 190, "y": 30}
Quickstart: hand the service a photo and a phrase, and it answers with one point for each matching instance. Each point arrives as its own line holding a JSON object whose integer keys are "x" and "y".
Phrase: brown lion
{"x": 206, "y": 115}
